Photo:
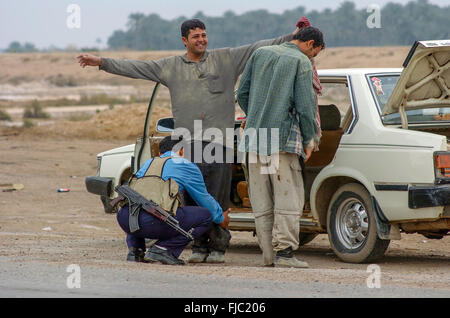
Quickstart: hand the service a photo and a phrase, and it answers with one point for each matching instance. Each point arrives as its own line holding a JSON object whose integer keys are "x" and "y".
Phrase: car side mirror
{"x": 165, "y": 125}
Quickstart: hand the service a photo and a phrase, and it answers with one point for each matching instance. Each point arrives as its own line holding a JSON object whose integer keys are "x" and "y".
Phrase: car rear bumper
{"x": 428, "y": 196}
{"x": 99, "y": 185}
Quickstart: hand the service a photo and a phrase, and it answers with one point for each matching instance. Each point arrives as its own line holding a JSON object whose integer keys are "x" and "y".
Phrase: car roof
{"x": 356, "y": 71}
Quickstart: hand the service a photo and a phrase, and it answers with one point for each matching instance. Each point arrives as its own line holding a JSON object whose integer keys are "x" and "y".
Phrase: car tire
{"x": 352, "y": 227}
{"x": 305, "y": 238}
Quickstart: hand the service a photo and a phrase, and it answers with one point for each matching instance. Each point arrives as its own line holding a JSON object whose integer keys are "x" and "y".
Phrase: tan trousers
{"x": 277, "y": 196}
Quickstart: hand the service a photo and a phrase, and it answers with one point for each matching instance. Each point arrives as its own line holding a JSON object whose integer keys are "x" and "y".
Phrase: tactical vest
{"x": 152, "y": 187}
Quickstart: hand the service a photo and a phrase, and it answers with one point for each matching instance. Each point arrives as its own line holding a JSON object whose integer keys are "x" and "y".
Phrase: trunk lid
{"x": 425, "y": 80}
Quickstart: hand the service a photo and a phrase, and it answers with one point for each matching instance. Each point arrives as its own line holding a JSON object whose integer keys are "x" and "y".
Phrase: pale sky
{"x": 43, "y": 22}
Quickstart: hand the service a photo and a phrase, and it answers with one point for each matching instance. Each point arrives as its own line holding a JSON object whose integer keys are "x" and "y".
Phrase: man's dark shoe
{"x": 290, "y": 262}
{"x": 158, "y": 254}
{"x": 135, "y": 254}
{"x": 286, "y": 258}
{"x": 286, "y": 252}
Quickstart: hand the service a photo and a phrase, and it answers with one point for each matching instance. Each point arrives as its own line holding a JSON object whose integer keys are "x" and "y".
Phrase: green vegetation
{"x": 344, "y": 26}
{"x": 90, "y": 49}
{"x": 80, "y": 117}
{"x": 5, "y": 116}
{"x": 27, "y": 47}
{"x": 62, "y": 81}
{"x": 16, "y": 80}
{"x": 16, "y": 47}
{"x": 104, "y": 99}
{"x": 99, "y": 99}
{"x": 27, "y": 123}
{"x": 35, "y": 111}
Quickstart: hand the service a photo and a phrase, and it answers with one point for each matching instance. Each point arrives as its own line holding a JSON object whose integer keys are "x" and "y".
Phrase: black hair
{"x": 169, "y": 142}
{"x": 310, "y": 33}
{"x": 191, "y": 25}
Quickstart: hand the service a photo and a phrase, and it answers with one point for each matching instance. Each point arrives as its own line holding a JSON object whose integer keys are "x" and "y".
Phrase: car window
{"x": 428, "y": 115}
{"x": 162, "y": 99}
{"x": 336, "y": 94}
{"x": 382, "y": 87}
{"x": 161, "y": 107}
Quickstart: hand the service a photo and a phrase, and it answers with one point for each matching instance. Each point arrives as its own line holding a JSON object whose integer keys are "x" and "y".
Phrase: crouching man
{"x": 163, "y": 179}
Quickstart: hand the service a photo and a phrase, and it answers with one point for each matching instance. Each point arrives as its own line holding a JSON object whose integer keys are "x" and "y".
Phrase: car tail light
{"x": 442, "y": 165}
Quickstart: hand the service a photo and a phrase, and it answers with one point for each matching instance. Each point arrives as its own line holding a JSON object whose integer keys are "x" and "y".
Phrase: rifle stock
{"x": 117, "y": 200}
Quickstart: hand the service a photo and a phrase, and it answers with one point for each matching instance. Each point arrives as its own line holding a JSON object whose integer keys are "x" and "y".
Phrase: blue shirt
{"x": 188, "y": 177}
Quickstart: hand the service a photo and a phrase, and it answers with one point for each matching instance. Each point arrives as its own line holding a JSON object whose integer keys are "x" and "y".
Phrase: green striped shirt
{"x": 276, "y": 80}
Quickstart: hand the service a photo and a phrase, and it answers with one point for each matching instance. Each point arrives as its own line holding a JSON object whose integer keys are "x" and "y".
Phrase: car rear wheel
{"x": 352, "y": 227}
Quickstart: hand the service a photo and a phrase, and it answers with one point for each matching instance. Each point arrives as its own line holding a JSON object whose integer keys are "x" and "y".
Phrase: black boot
{"x": 158, "y": 254}
{"x": 135, "y": 254}
{"x": 286, "y": 258}
{"x": 286, "y": 253}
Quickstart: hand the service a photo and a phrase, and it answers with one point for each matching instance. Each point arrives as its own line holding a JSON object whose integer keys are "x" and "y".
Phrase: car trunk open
{"x": 424, "y": 82}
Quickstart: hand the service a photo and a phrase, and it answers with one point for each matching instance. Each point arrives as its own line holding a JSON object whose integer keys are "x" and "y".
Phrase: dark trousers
{"x": 188, "y": 217}
{"x": 217, "y": 177}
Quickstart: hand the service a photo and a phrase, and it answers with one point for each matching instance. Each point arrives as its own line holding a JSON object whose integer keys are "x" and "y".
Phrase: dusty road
{"x": 43, "y": 232}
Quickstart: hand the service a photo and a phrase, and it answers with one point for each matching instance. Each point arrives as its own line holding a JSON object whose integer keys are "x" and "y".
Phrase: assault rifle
{"x": 137, "y": 201}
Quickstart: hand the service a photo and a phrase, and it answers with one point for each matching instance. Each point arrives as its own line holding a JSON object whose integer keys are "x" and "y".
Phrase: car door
{"x": 146, "y": 145}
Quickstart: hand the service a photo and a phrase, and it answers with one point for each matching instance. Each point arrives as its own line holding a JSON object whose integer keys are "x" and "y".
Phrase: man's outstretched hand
{"x": 226, "y": 219}
{"x": 89, "y": 60}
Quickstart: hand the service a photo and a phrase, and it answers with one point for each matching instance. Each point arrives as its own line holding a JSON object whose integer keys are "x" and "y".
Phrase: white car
{"x": 384, "y": 162}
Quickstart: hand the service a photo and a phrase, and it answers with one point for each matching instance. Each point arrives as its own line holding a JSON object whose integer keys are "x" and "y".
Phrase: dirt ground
{"x": 38, "y": 224}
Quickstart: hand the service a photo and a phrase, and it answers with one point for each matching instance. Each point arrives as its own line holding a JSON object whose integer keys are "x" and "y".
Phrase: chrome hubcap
{"x": 352, "y": 223}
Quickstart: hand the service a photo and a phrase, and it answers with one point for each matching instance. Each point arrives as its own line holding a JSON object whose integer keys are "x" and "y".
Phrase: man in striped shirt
{"x": 276, "y": 93}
